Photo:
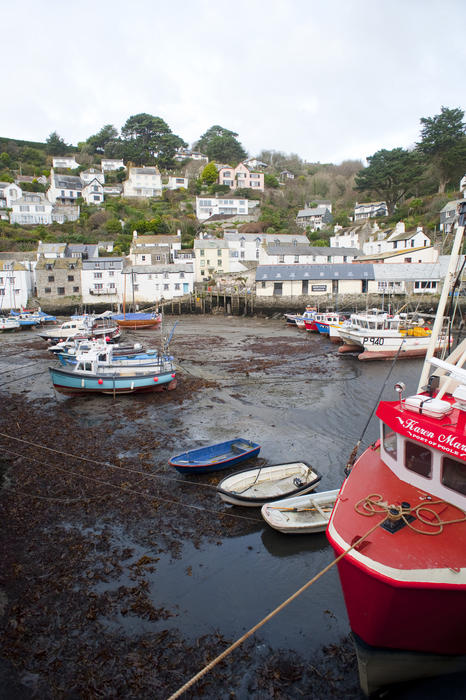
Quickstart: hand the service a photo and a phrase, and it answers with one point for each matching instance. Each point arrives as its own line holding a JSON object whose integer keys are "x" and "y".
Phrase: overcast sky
{"x": 329, "y": 80}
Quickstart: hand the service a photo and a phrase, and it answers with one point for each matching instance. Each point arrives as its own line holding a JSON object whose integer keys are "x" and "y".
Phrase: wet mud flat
{"x": 101, "y": 540}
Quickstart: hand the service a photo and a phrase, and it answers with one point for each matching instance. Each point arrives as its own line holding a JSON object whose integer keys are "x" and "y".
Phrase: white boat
{"x": 378, "y": 335}
{"x": 254, "y": 487}
{"x": 83, "y": 328}
{"x": 301, "y": 514}
{"x": 9, "y": 324}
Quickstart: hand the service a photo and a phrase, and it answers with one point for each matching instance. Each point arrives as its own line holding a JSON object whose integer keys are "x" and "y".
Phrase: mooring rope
{"x": 268, "y": 617}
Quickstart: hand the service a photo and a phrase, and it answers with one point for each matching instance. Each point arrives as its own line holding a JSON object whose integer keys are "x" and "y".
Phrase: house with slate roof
{"x": 399, "y": 245}
{"x": 247, "y": 246}
{"x": 111, "y": 164}
{"x": 449, "y": 215}
{"x": 155, "y": 283}
{"x": 9, "y": 192}
{"x": 314, "y": 218}
{"x": 143, "y": 182}
{"x": 102, "y": 280}
{"x": 31, "y": 209}
{"x": 369, "y": 210}
{"x": 68, "y": 162}
{"x": 58, "y": 278}
{"x": 320, "y": 280}
{"x": 212, "y": 257}
{"x": 64, "y": 189}
{"x": 287, "y": 254}
{"x": 241, "y": 177}
{"x": 16, "y": 281}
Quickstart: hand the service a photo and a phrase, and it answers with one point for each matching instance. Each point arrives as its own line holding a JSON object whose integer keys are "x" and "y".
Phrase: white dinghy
{"x": 254, "y": 487}
{"x": 302, "y": 514}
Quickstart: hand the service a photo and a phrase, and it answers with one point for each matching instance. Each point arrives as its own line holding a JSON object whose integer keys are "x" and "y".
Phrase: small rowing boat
{"x": 254, "y": 487}
{"x": 215, "y": 457}
{"x": 302, "y": 514}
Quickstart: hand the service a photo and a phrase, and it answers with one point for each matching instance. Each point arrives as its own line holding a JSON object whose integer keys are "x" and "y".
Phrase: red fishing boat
{"x": 399, "y": 526}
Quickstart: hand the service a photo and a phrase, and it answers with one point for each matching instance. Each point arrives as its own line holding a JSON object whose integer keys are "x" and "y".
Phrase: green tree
{"x": 390, "y": 175}
{"x": 56, "y": 145}
{"x": 210, "y": 173}
{"x": 443, "y": 140}
{"x": 271, "y": 181}
{"x": 221, "y": 145}
{"x": 149, "y": 139}
{"x": 99, "y": 141}
{"x": 5, "y": 160}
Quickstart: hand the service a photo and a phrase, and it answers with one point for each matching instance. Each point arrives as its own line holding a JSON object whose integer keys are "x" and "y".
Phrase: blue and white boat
{"x": 67, "y": 352}
{"x": 97, "y": 372}
{"x": 215, "y": 457}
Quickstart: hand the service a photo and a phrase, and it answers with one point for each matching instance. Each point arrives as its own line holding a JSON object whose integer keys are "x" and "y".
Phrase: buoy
{"x": 156, "y": 379}
{"x": 173, "y": 376}
{"x": 101, "y": 381}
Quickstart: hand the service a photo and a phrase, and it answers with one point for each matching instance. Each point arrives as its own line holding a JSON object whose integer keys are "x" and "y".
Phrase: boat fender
{"x": 297, "y": 481}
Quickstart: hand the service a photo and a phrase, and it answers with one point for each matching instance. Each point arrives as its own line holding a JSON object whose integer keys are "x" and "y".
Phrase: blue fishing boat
{"x": 215, "y": 457}
{"x": 96, "y": 372}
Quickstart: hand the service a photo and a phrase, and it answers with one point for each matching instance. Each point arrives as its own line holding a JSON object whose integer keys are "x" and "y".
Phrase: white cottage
{"x": 31, "y": 209}
{"x": 9, "y": 192}
{"x": 16, "y": 284}
{"x": 65, "y": 162}
{"x": 111, "y": 164}
{"x": 156, "y": 283}
{"x": 143, "y": 182}
{"x": 102, "y": 280}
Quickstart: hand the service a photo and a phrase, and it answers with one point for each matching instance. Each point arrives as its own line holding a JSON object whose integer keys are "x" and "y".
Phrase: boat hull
{"x": 215, "y": 457}
{"x": 71, "y": 383}
{"x": 261, "y": 485}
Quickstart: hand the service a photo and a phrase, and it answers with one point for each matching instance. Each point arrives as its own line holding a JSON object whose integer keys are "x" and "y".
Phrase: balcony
{"x": 103, "y": 290}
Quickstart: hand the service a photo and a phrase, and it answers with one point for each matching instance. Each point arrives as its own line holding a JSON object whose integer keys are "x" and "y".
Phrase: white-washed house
{"x": 91, "y": 174}
{"x": 306, "y": 254}
{"x": 247, "y": 246}
{"x": 368, "y": 210}
{"x": 315, "y": 280}
{"x": 93, "y": 192}
{"x": 176, "y": 182}
{"x": 111, "y": 164}
{"x": 154, "y": 283}
{"x": 31, "y": 209}
{"x": 213, "y": 206}
{"x": 16, "y": 284}
{"x": 399, "y": 245}
{"x": 65, "y": 162}
{"x": 9, "y": 192}
{"x": 102, "y": 280}
{"x": 64, "y": 189}
{"x": 449, "y": 215}
{"x": 143, "y": 182}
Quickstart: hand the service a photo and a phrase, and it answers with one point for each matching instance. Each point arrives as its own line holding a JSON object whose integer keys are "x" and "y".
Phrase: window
{"x": 51, "y": 278}
{"x": 453, "y": 475}
{"x": 202, "y": 252}
{"x": 278, "y": 289}
{"x": 418, "y": 459}
{"x": 263, "y": 284}
{"x": 296, "y": 258}
{"x": 166, "y": 275}
{"x": 166, "y": 287}
{"x": 111, "y": 285}
{"x": 111, "y": 273}
{"x": 177, "y": 286}
{"x": 47, "y": 290}
{"x": 61, "y": 290}
{"x": 219, "y": 253}
{"x": 98, "y": 286}
{"x": 281, "y": 258}
{"x": 389, "y": 441}
{"x": 181, "y": 275}
{"x": 70, "y": 278}
{"x": 97, "y": 275}
{"x": 75, "y": 290}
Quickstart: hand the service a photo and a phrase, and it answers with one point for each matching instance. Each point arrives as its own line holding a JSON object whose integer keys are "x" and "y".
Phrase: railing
{"x": 104, "y": 290}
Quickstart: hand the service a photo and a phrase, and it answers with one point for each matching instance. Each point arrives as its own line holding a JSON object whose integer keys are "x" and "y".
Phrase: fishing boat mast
{"x": 447, "y": 287}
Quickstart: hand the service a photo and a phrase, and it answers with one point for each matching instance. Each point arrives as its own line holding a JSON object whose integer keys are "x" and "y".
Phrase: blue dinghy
{"x": 215, "y": 457}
